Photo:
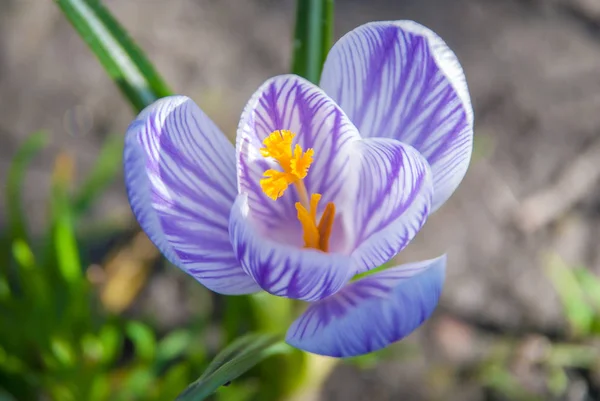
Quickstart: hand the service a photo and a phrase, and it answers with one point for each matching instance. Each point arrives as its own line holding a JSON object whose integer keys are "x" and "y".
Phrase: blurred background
{"x": 520, "y": 312}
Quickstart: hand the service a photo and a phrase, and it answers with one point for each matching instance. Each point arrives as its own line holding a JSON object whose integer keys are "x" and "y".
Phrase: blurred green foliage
{"x": 579, "y": 292}
{"x": 233, "y": 361}
{"x": 554, "y": 359}
{"x": 58, "y": 342}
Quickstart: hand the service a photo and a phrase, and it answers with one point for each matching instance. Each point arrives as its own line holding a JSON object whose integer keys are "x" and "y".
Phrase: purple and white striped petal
{"x": 281, "y": 269}
{"x": 181, "y": 183}
{"x": 399, "y": 80}
{"x": 371, "y": 313}
{"x": 289, "y": 102}
{"x": 390, "y": 194}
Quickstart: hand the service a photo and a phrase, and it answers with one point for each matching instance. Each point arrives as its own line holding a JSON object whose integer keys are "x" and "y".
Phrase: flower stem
{"x": 313, "y": 36}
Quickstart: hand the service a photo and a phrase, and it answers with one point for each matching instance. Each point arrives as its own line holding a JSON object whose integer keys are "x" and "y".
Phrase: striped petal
{"x": 289, "y": 102}
{"x": 181, "y": 183}
{"x": 390, "y": 199}
{"x": 281, "y": 269}
{"x": 371, "y": 313}
{"x": 400, "y": 80}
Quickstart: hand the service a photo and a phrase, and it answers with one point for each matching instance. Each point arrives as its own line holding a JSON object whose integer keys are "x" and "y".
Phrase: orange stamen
{"x": 325, "y": 227}
{"x": 295, "y": 166}
{"x": 316, "y": 236}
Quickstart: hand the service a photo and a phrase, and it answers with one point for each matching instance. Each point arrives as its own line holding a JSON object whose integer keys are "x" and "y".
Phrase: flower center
{"x": 295, "y": 165}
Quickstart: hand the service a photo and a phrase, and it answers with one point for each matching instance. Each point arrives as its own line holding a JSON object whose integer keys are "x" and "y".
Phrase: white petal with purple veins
{"x": 390, "y": 193}
{"x": 400, "y": 80}
{"x": 371, "y": 313}
{"x": 285, "y": 270}
{"x": 289, "y": 102}
{"x": 181, "y": 183}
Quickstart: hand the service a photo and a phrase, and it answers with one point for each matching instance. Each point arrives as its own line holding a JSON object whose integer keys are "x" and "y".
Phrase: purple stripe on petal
{"x": 400, "y": 80}
{"x": 180, "y": 179}
{"x": 392, "y": 189}
{"x": 371, "y": 313}
{"x": 284, "y": 270}
{"x": 289, "y": 102}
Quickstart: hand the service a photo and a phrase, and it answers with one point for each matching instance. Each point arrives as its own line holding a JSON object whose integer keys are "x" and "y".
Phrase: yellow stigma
{"x": 295, "y": 166}
{"x": 278, "y": 145}
{"x": 275, "y": 183}
{"x": 301, "y": 162}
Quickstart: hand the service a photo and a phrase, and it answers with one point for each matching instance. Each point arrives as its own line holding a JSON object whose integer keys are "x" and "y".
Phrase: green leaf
{"x": 313, "y": 37}
{"x": 557, "y": 381}
{"x": 124, "y": 61}
{"x": 60, "y": 263}
{"x": 243, "y": 391}
{"x": 100, "y": 388}
{"x": 106, "y": 168}
{"x": 269, "y": 313}
{"x": 567, "y": 355}
{"x": 34, "y": 287}
{"x": 14, "y": 202}
{"x": 233, "y": 361}
{"x": 63, "y": 351}
{"x": 63, "y": 233}
{"x": 499, "y": 378}
{"x": 173, "y": 345}
{"x": 139, "y": 382}
{"x": 111, "y": 339}
{"x": 5, "y": 396}
{"x": 92, "y": 349}
{"x": 590, "y": 284}
{"x": 174, "y": 379}
{"x": 143, "y": 340}
{"x": 577, "y": 311}
{"x": 23, "y": 254}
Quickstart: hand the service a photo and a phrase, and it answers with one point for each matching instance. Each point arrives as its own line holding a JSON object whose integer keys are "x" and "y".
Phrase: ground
{"x": 530, "y": 194}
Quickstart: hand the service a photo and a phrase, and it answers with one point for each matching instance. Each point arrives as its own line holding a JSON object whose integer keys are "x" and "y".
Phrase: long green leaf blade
{"x": 17, "y": 225}
{"x": 63, "y": 231}
{"x": 233, "y": 361}
{"x": 124, "y": 61}
{"x": 313, "y": 37}
{"x": 14, "y": 183}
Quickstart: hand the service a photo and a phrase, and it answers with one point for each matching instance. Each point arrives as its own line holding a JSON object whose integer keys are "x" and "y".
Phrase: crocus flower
{"x": 323, "y": 184}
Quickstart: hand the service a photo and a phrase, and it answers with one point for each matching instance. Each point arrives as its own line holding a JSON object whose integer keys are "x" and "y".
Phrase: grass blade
{"x": 65, "y": 242}
{"x": 124, "y": 61}
{"x": 233, "y": 361}
{"x": 14, "y": 183}
{"x": 17, "y": 225}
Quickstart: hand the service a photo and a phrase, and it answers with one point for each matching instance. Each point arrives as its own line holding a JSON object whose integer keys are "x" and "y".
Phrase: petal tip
{"x": 399, "y": 79}
{"x": 371, "y": 313}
